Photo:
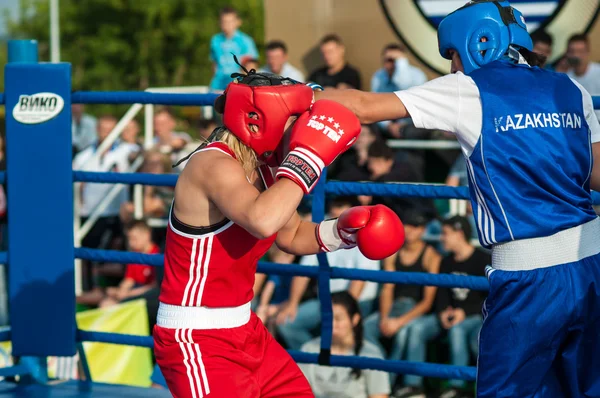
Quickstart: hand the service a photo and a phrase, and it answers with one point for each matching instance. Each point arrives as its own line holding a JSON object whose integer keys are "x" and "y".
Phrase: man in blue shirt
{"x": 531, "y": 142}
{"x": 397, "y": 74}
{"x": 223, "y": 44}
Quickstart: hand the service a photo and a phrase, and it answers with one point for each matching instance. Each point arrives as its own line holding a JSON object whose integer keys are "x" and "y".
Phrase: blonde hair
{"x": 244, "y": 154}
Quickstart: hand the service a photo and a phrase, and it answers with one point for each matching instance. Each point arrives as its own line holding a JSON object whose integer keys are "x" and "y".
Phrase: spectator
{"x": 157, "y": 200}
{"x": 271, "y": 291}
{"x": 277, "y": 61}
{"x": 337, "y": 73}
{"x": 459, "y": 309}
{"x": 404, "y": 315}
{"x": 107, "y": 228}
{"x": 542, "y": 44}
{"x": 129, "y": 139}
{"x": 384, "y": 166}
{"x": 458, "y": 175}
{"x": 582, "y": 70}
{"x": 205, "y": 128}
{"x": 251, "y": 63}
{"x": 229, "y": 41}
{"x": 561, "y": 65}
{"x": 352, "y": 164}
{"x": 139, "y": 279}
{"x": 347, "y": 339}
{"x": 166, "y": 139}
{"x": 130, "y": 134}
{"x": 397, "y": 74}
{"x": 298, "y": 318}
{"x": 83, "y": 128}
{"x": 114, "y": 159}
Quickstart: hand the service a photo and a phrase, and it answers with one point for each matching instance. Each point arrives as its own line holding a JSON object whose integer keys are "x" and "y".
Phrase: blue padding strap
{"x": 142, "y": 97}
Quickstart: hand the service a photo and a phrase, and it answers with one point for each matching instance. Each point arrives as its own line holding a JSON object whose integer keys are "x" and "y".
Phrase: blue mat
{"x": 71, "y": 389}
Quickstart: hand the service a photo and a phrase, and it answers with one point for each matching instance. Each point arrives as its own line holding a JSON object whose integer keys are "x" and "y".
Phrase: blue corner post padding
{"x": 40, "y": 203}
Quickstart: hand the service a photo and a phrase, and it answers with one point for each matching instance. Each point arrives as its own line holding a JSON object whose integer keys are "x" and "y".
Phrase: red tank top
{"x": 212, "y": 266}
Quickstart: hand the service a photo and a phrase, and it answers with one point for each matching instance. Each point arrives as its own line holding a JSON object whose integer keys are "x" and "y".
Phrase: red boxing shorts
{"x": 244, "y": 362}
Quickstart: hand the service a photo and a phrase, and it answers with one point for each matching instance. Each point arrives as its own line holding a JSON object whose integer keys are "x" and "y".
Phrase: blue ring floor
{"x": 71, "y": 389}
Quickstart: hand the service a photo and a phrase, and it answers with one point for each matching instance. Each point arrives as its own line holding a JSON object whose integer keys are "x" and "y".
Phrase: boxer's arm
{"x": 261, "y": 214}
{"x": 368, "y": 107}
{"x": 298, "y": 237}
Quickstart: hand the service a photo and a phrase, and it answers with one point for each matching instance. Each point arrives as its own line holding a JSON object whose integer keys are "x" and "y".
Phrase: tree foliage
{"x": 135, "y": 44}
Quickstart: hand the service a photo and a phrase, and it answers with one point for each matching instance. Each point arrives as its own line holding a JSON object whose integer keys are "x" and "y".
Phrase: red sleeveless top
{"x": 212, "y": 266}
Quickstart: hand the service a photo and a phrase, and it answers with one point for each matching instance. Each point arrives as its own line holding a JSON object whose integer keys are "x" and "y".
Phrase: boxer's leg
{"x": 279, "y": 376}
{"x": 527, "y": 314}
{"x": 194, "y": 372}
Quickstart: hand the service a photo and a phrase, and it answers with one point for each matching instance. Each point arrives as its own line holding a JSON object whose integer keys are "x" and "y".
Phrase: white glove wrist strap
{"x": 329, "y": 238}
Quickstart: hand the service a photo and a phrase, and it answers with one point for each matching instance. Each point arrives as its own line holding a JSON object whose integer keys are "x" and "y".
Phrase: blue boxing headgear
{"x": 502, "y": 25}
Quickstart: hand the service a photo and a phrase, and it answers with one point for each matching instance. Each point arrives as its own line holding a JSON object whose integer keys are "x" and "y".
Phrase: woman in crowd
{"x": 347, "y": 339}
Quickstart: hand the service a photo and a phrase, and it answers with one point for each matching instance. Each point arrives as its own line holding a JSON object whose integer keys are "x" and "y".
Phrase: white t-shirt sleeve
{"x": 590, "y": 114}
{"x": 449, "y": 103}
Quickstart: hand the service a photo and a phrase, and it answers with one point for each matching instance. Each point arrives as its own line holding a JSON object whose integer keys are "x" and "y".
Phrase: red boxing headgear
{"x": 272, "y": 99}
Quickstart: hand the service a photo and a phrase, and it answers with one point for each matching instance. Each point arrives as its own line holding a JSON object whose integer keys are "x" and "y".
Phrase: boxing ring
{"x": 41, "y": 253}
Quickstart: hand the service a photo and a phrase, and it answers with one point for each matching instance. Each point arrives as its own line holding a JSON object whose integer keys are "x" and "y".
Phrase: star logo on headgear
{"x": 314, "y": 117}
{"x": 341, "y": 132}
{"x": 322, "y": 117}
{"x": 330, "y": 120}
{"x": 336, "y": 125}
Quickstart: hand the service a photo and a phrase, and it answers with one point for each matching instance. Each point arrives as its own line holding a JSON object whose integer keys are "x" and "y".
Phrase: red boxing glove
{"x": 376, "y": 230}
{"x": 320, "y": 135}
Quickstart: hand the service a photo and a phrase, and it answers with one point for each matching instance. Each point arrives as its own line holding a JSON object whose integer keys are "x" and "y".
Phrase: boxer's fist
{"x": 318, "y": 137}
{"x": 376, "y": 230}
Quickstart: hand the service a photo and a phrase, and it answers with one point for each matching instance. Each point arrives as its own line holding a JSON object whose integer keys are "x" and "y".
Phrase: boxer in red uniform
{"x": 228, "y": 210}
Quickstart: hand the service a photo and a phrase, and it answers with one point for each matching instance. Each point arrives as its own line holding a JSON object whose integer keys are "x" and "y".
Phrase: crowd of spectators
{"x": 382, "y": 321}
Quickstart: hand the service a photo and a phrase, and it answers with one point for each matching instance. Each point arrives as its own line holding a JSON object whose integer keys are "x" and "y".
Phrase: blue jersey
{"x": 526, "y": 135}
{"x": 530, "y": 170}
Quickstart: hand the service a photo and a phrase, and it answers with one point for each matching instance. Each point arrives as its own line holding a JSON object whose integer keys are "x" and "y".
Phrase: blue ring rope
{"x": 397, "y": 277}
{"x": 417, "y": 368}
{"x": 324, "y": 276}
{"x": 331, "y": 187}
{"x": 15, "y": 370}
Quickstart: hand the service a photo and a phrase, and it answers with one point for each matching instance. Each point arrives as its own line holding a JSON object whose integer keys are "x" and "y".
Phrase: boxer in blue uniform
{"x": 529, "y": 138}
